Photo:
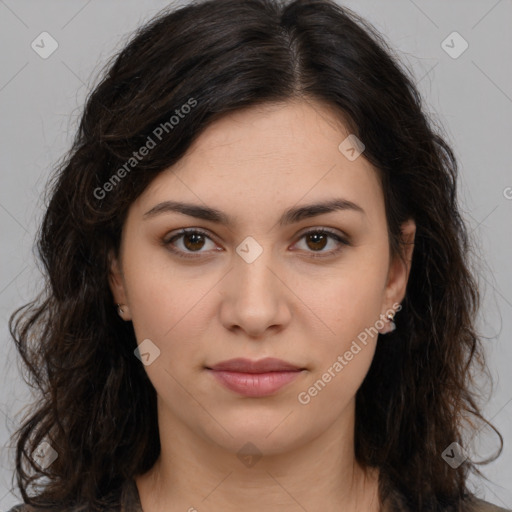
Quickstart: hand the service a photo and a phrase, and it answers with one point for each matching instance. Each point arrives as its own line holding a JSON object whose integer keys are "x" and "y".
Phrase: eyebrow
{"x": 290, "y": 216}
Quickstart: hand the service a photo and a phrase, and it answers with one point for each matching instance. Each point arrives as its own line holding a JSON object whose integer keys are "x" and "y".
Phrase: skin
{"x": 253, "y": 165}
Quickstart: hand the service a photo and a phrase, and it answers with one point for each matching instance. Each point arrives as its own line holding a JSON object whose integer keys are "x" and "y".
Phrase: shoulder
{"x": 27, "y": 508}
{"x": 470, "y": 503}
{"x": 479, "y": 505}
{"x": 125, "y": 499}
{"x": 22, "y": 507}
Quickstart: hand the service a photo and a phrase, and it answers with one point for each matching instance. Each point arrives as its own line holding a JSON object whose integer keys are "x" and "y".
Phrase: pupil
{"x": 318, "y": 238}
{"x": 197, "y": 239}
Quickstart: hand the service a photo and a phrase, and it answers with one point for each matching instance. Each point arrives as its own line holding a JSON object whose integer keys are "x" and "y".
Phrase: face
{"x": 265, "y": 274}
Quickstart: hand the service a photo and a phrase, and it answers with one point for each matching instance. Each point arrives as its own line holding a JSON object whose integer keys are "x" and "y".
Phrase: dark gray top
{"x": 129, "y": 501}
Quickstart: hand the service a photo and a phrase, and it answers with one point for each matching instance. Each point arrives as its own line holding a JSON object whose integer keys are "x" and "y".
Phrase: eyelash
{"x": 319, "y": 231}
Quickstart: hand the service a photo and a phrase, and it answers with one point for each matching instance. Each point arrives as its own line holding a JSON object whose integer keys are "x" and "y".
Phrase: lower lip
{"x": 255, "y": 384}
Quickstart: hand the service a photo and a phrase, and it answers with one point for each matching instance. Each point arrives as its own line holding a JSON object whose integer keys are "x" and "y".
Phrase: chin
{"x": 262, "y": 437}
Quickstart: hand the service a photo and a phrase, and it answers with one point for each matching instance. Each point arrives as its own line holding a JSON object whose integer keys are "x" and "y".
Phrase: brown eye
{"x": 187, "y": 242}
{"x": 317, "y": 241}
{"x": 193, "y": 241}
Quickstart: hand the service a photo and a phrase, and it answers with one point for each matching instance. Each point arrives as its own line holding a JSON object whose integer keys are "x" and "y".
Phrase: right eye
{"x": 192, "y": 240}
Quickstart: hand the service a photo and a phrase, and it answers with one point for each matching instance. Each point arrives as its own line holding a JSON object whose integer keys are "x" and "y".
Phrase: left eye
{"x": 193, "y": 240}
{"x": 318, "y": 239}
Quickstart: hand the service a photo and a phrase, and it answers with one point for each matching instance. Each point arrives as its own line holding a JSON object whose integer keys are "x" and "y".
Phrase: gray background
{"x": 470, "y": 96}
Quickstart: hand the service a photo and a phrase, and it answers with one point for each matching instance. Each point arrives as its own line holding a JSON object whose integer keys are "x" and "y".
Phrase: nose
{"x": 256, "y": 298}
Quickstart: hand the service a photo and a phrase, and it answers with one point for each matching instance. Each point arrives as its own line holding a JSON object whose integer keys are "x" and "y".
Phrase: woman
{"x": 258, "y": 292}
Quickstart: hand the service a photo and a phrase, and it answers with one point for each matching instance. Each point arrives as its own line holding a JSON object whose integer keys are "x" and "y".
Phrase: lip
{"x": 268, "y": 364}
{"x": 255, "y": 378}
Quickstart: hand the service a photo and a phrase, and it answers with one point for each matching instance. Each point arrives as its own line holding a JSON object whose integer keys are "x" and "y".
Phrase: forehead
{"x": 283, "y": 132}
{"x": 272, "y": 154}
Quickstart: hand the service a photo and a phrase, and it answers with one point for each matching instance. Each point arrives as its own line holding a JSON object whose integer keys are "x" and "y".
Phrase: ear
{"x": 117, "y": 285}
{"x": 398, "y": 273}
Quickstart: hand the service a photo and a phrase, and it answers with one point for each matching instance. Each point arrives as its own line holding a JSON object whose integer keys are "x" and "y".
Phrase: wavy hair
{"x": 96, "y": 405}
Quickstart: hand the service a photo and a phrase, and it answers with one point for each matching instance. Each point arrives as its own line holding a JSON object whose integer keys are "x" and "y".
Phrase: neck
{"x": 195, "y": 474}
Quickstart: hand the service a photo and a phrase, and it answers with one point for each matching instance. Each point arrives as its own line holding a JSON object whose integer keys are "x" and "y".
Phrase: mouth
{"x": 255, "y": 378}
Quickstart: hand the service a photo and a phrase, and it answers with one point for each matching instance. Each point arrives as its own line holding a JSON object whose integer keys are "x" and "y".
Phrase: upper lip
{"x": 269, "y": 364}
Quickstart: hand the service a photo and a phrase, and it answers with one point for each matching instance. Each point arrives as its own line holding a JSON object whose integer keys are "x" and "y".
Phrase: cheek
{"x": 350, "y": 306}
{"x": 329, "y": 392}
{"x": 351, "y": 302}
{"x": 343, "y": 354}
{"x": 169, "y": 309}
{"x": 343, "y": 358}
{"x": 162, "y": 296}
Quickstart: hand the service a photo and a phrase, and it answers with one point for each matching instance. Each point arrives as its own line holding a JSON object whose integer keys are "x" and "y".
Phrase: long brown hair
{"x": 97, "y": 407}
